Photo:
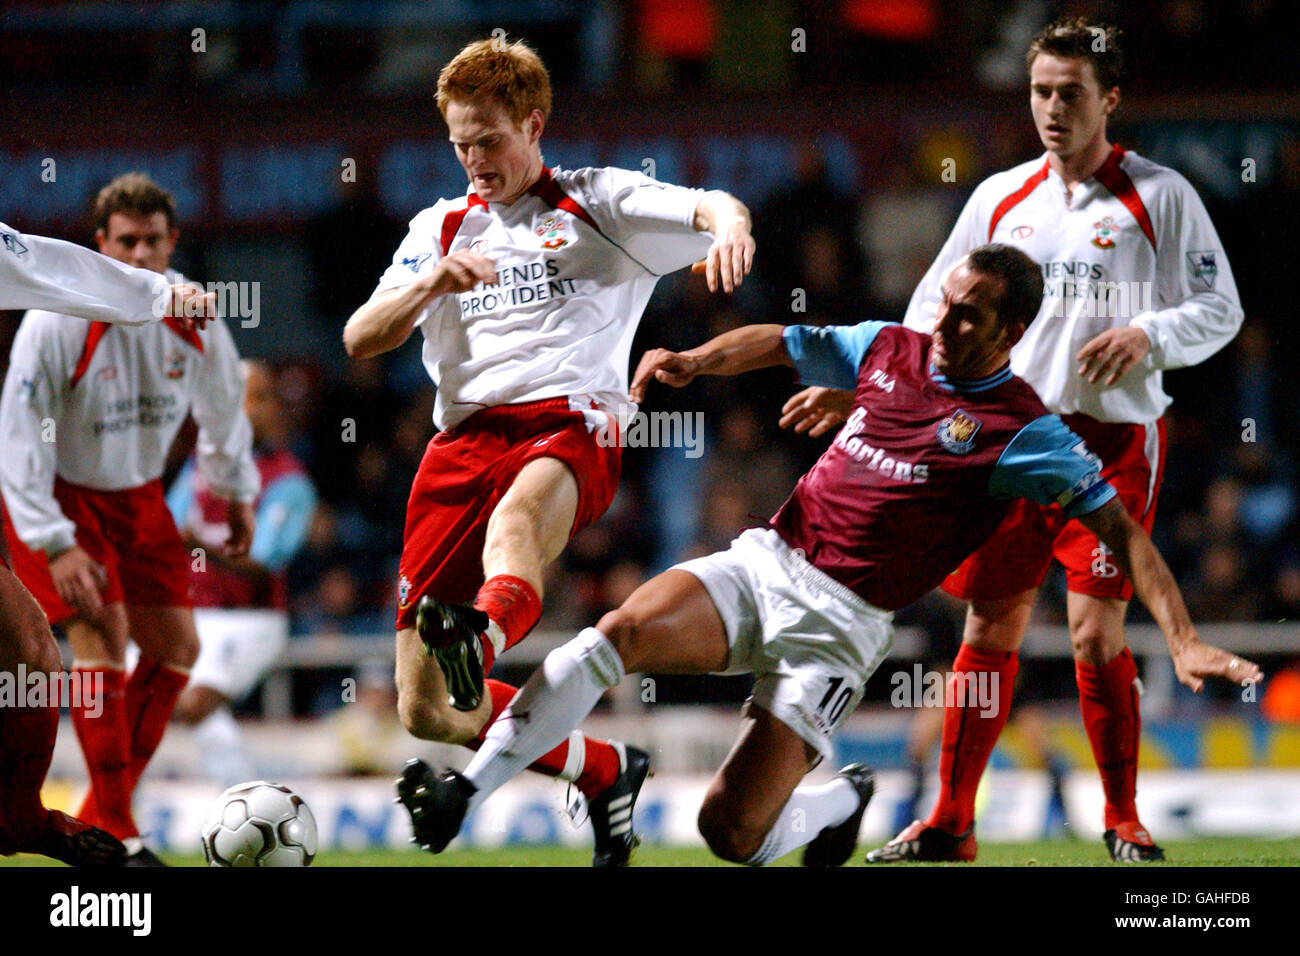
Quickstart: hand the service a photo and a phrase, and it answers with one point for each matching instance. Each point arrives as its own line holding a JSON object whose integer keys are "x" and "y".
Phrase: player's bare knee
{"x": 623, "y": 630}
{"x": 184, "y": 714}
{"x": 417, "y": 716}
{"x": 183, "y": 654}
{"x": 1091, "y": 643}
{"x": 25, "y": 639}
{"x": 728, "y": 837}
{"x": 189, "y": 709}
{"x": 424, "y": 720}
{"x": 37, "y": 648}
{"x": 180, "y": 653}
{"x": 999, "y": 624}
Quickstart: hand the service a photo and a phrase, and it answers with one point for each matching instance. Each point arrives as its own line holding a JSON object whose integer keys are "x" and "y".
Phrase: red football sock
{"x": 513, "y": 605}
{"x": 26, "y": 745}
{"x": 969, "y": 736}
{"x": 1108, "y": 697}
{"x": 101, "y": 727}
{"x": 599, "y": 766}
{"x": 151, "y": 695}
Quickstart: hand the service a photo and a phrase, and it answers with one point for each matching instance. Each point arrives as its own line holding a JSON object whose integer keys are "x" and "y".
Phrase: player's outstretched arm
{"x": 388, "y": 319}
{"x": 732, "y": 254}
{"x": 1155, "y": 585}
{"x": 740, "y": 350}
{"x": 816, "y": 410}
{"x": 41, "y": 273}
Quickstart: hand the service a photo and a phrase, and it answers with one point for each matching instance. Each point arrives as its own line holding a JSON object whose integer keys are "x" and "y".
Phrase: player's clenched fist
{"x": 191, "y": 305}
{"x": 460, "y": 272}
{"x": 671, "y": 368}
{"x": 816, "y": 410}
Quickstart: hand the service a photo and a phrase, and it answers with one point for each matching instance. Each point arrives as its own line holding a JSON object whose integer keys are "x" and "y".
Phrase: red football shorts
{"x": 129, "y": 532}
{"x": 1021, "y": 550}
{"x": 464, "y": 474}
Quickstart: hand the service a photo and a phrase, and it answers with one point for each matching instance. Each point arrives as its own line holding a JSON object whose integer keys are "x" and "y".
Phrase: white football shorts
{"x": 810, "y": 642}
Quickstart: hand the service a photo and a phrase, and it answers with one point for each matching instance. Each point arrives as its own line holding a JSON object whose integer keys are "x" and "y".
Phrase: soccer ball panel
{"x": 234, "y": 814}
{"x": 260, "y": 824}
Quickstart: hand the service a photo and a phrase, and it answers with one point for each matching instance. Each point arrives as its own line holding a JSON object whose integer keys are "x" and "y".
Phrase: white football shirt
{"x": 1133, "y": 245}
{"x": 577, "y": 259}
{"x": 99, "y": 405}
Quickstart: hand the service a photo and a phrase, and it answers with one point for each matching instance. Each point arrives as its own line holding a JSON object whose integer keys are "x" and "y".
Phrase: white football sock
{"x": 551, "y": 703}
{"x": 222, "y": 748}
{"x": 809, "y": 811}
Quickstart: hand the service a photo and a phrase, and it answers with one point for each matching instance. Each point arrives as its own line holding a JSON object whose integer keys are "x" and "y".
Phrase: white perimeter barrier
{"x": 359, "y": 813}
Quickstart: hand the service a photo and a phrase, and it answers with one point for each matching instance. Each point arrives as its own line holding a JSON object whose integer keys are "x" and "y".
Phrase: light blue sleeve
{"x": 283, "y": 519}
{"x": 1049, "y": 464}
{"x": 180, "y": 497}
{"x": 830, "y": 356}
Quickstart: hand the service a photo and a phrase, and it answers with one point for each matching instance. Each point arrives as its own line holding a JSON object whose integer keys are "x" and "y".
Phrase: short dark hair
{"x": 1080, "y": 39}
{"x": 133, "y": 193}
{"x": 1021, "y": 276}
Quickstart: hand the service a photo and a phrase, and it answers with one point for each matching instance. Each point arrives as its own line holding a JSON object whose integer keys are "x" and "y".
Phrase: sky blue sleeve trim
{"x": 180, "y": 496}
{"x": 283, "y": 519}
{"x": 1090, "y": 500}
{"x": 830, "y": 356}
{"x": 1048, "y": 464}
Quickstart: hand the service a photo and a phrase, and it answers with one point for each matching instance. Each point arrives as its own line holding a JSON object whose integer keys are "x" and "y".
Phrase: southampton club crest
{"x": 957, "y": 432}
{"x": 403, "y": 591}
{"x": 175, "y": 365}
{"x": 552, "y": 232}
{"x": 1105, "y": 233}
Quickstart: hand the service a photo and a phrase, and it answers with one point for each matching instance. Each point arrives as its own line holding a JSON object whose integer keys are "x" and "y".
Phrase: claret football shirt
{"x": 925, "y": 467}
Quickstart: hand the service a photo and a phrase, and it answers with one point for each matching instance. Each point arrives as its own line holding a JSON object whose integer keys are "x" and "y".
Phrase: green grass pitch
{"x": 1227, "y": 851}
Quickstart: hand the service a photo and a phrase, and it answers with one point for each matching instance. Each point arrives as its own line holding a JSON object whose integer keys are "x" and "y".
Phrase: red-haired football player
{"x": 527, "y": 291}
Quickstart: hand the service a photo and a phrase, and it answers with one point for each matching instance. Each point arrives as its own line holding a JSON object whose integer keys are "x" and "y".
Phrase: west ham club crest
{"x": 957, "y": 432}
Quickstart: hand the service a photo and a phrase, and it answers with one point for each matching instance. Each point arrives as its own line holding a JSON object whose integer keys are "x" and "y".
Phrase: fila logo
{"x": 1022, "y": 232}
{"x": 878, "y": 379}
